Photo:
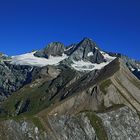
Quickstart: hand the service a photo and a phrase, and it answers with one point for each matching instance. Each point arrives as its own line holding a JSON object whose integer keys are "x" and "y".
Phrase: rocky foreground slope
{"x": 77, "y": 92}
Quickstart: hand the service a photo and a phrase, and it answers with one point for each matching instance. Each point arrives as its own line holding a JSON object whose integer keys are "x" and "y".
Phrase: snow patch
{"x": 69, "y": 48}
{"x": 30, "y": 59}
{"x": 90, "y": 54}
{"x": 87, "y": 66}
{"x": 132, "y": 69}
{"x": 107, "y": 56}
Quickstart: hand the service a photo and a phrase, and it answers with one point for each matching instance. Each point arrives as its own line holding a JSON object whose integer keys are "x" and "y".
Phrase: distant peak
{"x": 86, "y": 39}
{"x": 87, "y": 43}
{"x": 52, "y": 49}
{"x": 55, "y": 48}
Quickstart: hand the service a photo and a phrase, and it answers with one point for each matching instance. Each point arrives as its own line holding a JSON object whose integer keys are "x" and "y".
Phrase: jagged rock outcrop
{"x": 20, "y": 130}
{"x": 12, "y": 78}
{"x": 132, "y": 64}
{"x": 86, "y": 50}
{"x": 53, "y": 49}
{"x": 121, "y": 124}
{"x": 117, "y": 124}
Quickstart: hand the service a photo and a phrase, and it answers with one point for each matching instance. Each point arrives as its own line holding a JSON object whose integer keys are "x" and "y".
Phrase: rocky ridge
{"x": 69, "y": 99}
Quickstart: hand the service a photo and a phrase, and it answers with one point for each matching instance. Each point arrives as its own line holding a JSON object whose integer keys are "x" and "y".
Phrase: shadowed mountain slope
{"x": 88, "y": 95}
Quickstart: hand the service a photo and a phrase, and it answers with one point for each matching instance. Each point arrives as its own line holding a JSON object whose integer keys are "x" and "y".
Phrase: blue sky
{"x": 31, "y": 24}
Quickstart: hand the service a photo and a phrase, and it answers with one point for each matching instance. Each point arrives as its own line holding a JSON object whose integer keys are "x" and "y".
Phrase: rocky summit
{"x": 75, "y": 92}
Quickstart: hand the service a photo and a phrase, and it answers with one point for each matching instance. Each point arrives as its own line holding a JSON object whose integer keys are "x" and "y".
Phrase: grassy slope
{"x": 39, "y": 99}
{"x": 96, "y": 122}
{"x": 38, "y": 96}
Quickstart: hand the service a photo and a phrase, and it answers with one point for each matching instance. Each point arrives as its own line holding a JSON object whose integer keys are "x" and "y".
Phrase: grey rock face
{"x": 54, "y": 49}
{"x": 12, "y": 78}
{"x": 86, "y": 50}
{"x": 133, "y": 65}
{"x": 62, "y": 128}
{"x": 20, "y": 130}
{"x": 72, "y": 128}
{"x": 121, "y": 124}
{"x": 70, "y": 49}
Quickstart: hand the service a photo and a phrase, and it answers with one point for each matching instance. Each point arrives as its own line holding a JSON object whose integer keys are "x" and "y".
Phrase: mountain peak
{"x": 87, "y": 39}
{"x": 87, "y": 50}
{"x": 52, "y": 49}
{"x": 55, "y": 49}
{"x": 87, "y": 42}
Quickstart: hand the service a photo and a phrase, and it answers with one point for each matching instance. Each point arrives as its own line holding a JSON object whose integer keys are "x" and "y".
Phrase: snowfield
{"x": 88, "y": 66}
{"x": 30, "y": 59}
{"x": 107, "y": 56}
{"x": 90, "y": 54}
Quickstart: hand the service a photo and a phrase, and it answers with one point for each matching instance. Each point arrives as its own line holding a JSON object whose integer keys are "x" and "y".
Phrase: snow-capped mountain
{"x": 75, "y": 92}
{"x": 84, "y": 56}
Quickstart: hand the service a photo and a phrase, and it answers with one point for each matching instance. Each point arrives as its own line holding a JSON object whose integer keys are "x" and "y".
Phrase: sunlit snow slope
{"x": 30, "y": 59}
{"x": 88, "y": 66}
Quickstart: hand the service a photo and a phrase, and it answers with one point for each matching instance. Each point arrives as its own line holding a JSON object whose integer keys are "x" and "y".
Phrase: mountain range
{"x": 75, "y": 92}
